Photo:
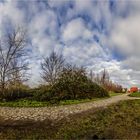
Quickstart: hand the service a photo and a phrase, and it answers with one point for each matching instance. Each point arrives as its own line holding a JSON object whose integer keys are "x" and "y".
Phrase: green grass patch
{"x": 32, "y": 103}
{"x": 114, "y": 94}
{"x": 69, "y": 102}
{"x": 24, "y": 103}
{"x": 135, "y": 94}
{"x": 118, "y": 121}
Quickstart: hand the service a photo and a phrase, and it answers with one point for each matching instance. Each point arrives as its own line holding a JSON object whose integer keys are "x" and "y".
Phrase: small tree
{"x": 74, "y": 83}
{"x": 70, "y": 81}
{"x": 52, "y": 67}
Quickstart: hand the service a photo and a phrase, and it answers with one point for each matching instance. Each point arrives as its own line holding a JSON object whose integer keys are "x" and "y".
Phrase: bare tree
{"x": 97, "y": 79}
{"x": 52, "y": 67}
{"x": 91, "y": 75}
{"x": 104, "y": 77}
{"x": 19, "y": 73}
{"x": 12, "y": 56}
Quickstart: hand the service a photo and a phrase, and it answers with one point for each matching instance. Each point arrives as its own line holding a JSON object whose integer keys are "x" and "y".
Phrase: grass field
{"x": 118, "y": 121}
{"x": 114, "y": 94}
{"x": 30, "y": 103}
{"x": 136, "y": 94}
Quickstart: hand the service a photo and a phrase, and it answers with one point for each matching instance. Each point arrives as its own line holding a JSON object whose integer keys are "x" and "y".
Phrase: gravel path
{"x": 55, "y": 113}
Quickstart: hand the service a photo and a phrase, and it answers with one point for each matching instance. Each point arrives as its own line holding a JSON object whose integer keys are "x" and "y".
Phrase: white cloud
{"x": 83, "y": 53}
{"x": 125, "y": 40}
{"x": 43, "y": 31}
{"x": 9, "y": 10}
{"x": 57, "y": 3}
{"x": 34, "y": 73}
{"x": 132, "y": 62}
{"x": 76, "y": 29}
{"x": 74, "y": 36}
{"x": 125, "y": 36}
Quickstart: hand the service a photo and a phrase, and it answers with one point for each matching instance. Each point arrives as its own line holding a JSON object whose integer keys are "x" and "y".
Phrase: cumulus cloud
{"x": 125, "y": 40}
{"x": 83, "y": 53}
{"x": 90, "y": 33}
{"x": 76, "y": 29}
{"x": 10, "y": 13}
{"x": 126, "y": 34}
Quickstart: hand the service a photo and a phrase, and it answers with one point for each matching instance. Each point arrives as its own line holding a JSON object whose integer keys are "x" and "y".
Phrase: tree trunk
{"x": 3, "y": 88}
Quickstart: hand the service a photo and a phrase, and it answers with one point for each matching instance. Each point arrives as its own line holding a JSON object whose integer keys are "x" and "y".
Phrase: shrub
{"x": 14, "y": 93}
{"x": 44, "y": 93}
{"x": 74, "y": 84}
{"x": 92, "y": 90}
{"x": 68, "y": 84}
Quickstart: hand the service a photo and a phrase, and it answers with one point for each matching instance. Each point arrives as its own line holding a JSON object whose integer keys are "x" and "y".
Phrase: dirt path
{"x": 55, "y": 113}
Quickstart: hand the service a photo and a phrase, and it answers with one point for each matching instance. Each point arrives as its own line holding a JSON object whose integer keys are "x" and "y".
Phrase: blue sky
{"x": 97, "y": 34}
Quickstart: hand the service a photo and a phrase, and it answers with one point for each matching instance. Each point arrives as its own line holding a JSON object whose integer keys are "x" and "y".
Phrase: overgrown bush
{"x": 74, "y": 84}
{"x": 91, "y": 90}
{"x": 44, "y": 93}
{"x": 14, "y": 93}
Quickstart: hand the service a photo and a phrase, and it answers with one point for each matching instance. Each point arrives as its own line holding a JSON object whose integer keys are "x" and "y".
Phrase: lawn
{"x": 31, "y": 103}
{"x": 114, "y": 94}
{"x": 24, "y": 103}
{"x": 118, "y": 121}
{"x": 69, "y": 102}
{"x": 136, "y": 94}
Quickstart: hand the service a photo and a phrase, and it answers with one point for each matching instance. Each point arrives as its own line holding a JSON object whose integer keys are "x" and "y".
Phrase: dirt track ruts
{"x": 55, "y": 113}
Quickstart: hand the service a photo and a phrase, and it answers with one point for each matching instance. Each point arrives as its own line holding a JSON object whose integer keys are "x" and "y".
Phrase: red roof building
{"x": 134, "y": 89}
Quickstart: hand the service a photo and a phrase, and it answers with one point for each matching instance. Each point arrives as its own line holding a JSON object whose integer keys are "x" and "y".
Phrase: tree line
{"x": 104, "y": 80}
{"x": 62, "y": 77}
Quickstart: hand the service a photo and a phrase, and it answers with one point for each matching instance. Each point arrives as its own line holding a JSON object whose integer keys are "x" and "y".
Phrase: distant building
{"x": 124, "y": 90}
{"x": 134, "y": 89}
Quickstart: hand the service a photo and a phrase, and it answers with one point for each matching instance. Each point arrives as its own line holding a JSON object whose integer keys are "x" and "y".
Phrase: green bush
{"x": 74, "y": 84}
{"x": 92, "y": 90}
{"x": 13, "y": 93}
{"x": 44, "y": 93}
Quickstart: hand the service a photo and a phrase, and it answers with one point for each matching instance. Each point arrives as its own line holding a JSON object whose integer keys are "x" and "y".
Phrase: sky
{"x": 96, "y": 34}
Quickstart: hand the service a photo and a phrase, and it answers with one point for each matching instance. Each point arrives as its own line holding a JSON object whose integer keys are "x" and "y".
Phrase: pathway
{"x": 55, "y": 113}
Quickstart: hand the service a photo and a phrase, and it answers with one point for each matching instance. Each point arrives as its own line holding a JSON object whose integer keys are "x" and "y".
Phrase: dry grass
{"x": 119, "y": 121}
